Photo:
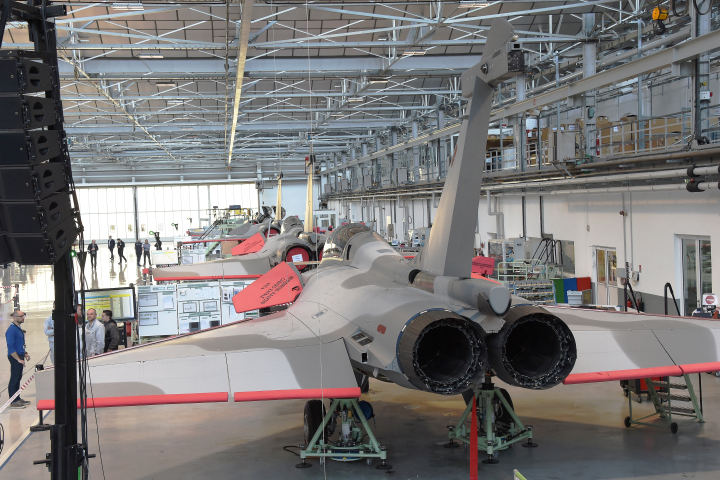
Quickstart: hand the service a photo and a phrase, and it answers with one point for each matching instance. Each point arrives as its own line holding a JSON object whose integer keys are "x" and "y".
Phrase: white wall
{"x": 655, "y": 220}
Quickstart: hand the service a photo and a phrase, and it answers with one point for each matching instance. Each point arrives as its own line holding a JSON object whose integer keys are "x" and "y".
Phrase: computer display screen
{"x": 120, "y": 300}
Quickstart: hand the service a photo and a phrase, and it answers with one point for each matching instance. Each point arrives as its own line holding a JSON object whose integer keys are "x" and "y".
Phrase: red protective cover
{"x": 251, "y": 245}
{"x": 483, "y": 265}
{"x": 279, "y": 286}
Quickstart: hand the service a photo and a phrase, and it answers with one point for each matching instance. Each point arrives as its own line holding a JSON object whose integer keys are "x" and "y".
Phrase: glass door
{"x": 601, "y": 280}
{"x": 606, "y": 279}
{"x": 697, "y": 272}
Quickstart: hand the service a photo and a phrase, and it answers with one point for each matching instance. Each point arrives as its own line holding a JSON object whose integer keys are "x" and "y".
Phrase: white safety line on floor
{"x": 4, "y": 459}
{"x": 17, "y": 394}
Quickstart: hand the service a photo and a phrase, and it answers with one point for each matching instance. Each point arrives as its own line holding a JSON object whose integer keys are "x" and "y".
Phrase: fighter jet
{"x": 264, "y": 222}
{"x": 255, "y": 256}
{"x": 261, "y": 247}
{"x": 368, "y": 313}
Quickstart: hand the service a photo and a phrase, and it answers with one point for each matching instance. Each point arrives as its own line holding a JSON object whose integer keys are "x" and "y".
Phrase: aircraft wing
{"x": 269, "y": 358}
{"x": 623, "y": 346}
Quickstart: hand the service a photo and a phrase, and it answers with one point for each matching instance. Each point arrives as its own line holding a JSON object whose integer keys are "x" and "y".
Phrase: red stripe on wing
{"x": 170, "y": 399}
{"x": 700, "y": 367}
{"x": 594, "y": 377}
{"x": 207, "y": 277}
{"x": 297, "y": 394}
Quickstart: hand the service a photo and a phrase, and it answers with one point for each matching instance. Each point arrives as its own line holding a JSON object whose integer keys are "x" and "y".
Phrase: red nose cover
{"x": 251, "y": 245}
{"x": 279, "y": 286}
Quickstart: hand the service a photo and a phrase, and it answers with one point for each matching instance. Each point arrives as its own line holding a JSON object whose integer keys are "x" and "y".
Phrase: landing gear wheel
{"x": 312, "y": 419}
{"x": 369, "y": 461}
{"x": 674, "y": 427}
{"x": 627, "y": 422}
{"x": 322, "y": 460}
{"x": 717, "y": 374}
{"x": 639, "y": 400}
{"x": 626, "y": 393}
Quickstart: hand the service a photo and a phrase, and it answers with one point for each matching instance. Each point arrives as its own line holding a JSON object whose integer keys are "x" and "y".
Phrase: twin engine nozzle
{"x": 442, "y": 352}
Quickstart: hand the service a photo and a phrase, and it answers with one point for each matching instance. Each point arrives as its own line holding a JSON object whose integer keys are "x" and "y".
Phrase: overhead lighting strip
{"x": 247, "y": 8}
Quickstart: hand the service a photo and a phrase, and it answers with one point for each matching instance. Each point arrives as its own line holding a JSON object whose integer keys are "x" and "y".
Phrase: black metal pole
{"x": 65, "y": 459}
{"x": 66, "y": 454}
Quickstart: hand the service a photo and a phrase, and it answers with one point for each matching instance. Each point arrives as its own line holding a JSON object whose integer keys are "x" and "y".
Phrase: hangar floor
{"x": 579, "y": 429}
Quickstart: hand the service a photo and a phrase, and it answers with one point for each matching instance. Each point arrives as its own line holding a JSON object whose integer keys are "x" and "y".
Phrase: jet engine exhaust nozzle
{"x": 441, "y": 352}
{"x": 534, "y": 349}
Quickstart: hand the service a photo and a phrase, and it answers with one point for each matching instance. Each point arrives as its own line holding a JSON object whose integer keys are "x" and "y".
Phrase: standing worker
{"x": 15, "y": 339}
{"x": 138, "y": 250}
{"x": 50, "y": 332}
{"x": 121, "y": 249}
{"x": 146, "y": 252}
{"x": 93, "y": 249}
{"x": 112, "y": 335}
{"x": 111, "y": 246}
{"x": 94, "y": 334}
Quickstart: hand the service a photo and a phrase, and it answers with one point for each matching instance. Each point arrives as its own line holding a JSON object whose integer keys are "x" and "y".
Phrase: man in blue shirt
{"x": 15, "y": 338}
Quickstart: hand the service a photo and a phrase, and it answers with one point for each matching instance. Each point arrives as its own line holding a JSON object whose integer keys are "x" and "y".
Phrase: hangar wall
{"x": 654, "y": 225}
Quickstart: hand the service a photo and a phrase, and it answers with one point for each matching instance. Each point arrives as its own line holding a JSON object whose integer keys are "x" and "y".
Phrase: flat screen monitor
{"x": 210, "y": 306}
{"x": 121, "y": 301}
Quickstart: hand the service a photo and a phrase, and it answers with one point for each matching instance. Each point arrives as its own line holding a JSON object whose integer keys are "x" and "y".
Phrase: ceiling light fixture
{"x": 377, "y": 80}
{"x": 356, "y": 99}
{"x": 472, "y": 4}
{"x": 128, "y": 6}
{"x": 413, "y": 52}
{"x": 166, "y": 84}
{"x": 150, "y": 55}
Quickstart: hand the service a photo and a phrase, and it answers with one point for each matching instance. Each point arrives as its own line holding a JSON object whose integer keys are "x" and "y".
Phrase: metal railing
{"x": 650, "y": 134}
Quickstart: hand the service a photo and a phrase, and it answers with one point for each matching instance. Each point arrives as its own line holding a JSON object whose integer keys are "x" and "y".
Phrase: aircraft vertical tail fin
{"x": 449, "y": 251}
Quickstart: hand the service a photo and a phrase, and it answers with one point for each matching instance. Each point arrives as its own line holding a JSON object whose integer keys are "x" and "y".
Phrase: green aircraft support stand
{"x": 349, "y": 447}
{"x": 499, "y": 428}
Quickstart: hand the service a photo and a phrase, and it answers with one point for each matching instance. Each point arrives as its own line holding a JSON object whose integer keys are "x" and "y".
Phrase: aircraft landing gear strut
{"x": 499, "y": 427}
{"x": 349, "y": 446}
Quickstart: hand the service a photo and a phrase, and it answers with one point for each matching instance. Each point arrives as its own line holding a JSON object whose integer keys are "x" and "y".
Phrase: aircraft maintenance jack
{"x": 663, "y": 403}
{"x": 349, "y": 447}
{"x": 499, "y": 427}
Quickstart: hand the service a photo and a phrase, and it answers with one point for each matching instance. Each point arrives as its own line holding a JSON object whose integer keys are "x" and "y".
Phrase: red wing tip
{"x": 297, "y": 394}
{"x": 614, "y": 375}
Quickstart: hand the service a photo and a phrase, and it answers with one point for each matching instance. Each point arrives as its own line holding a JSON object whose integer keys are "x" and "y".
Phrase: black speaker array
{"x": 37, "y": 221}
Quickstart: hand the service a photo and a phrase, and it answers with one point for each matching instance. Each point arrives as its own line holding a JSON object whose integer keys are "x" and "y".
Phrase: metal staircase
{"x": 664, "y": 401}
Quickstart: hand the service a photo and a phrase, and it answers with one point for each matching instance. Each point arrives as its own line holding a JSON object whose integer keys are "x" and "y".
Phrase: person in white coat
{"x": 94, "y": 334}
{"x": 50, "y": 332}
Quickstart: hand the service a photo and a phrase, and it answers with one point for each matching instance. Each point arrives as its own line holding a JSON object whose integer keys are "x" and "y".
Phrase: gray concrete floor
{"x": 579, "y": 429}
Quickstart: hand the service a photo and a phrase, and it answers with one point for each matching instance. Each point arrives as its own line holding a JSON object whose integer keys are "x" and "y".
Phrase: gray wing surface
{"x": 269, "y": 358}
{"x": 622, "y": 346}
